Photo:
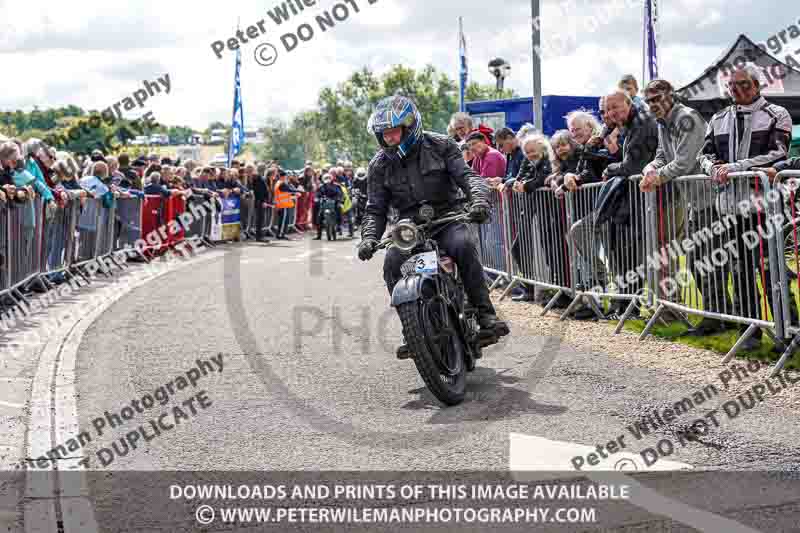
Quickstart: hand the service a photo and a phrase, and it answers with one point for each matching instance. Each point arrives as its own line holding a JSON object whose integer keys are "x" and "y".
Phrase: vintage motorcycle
{"x": 441, "y": 327}
{"x": 328, "y": 218}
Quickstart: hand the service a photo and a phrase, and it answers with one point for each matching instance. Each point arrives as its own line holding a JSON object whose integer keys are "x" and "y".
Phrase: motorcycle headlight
{"x": 407, "y": 234}
{"x": 404, "y": 236}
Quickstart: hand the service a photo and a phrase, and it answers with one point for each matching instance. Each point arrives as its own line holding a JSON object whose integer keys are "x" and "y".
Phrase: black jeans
{"x": 260, "y": 212}
{"x": 456, "y": 242}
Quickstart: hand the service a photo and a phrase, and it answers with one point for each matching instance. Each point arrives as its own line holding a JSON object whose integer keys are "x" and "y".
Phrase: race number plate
{"x": 426, "y": 263}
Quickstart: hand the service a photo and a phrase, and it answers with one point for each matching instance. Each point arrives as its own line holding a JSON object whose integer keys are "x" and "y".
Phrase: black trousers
{"x": 260, "y": 212}
{"x": 456, "y": 242}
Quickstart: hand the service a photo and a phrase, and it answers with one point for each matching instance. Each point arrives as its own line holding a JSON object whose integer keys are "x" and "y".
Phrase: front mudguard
{"x": 408, "y": 289}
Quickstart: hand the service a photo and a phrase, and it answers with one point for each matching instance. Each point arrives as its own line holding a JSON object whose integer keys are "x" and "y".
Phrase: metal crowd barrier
{"x": 106, "y": 224}
{"x": 129, "y": 227}
{"x": 493, "y": 239}
{"x": 200, "y": 226}
{"x": 87, "y": 231}
{"x": 787, "y": 244}
{"x": 537, "y": 225}
{"x": 60, "y": 239}
{"x": 25, "y": 241}
{"x": 609, "y": 258}
{"x": 5, "y": 267}
{"x": 246, "y": 214}
{"x": 37, "y": 244}
{"x": 96, "y": 228}
{"x": 690, "y": 248}
{"x": 719, "y": 268}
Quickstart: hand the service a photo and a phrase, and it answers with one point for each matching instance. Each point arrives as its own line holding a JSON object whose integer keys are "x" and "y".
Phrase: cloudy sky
{"x": 96, "y": 53}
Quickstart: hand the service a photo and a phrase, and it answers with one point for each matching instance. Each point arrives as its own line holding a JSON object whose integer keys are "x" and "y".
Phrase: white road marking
{"x": 304, "y": 256}
{"x": 534, "y": 458}
{"x": 528, "y": 452}
{"x": 11, "y": 404}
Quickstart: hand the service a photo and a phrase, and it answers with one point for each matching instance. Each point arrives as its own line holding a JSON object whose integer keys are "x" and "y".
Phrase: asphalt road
{"x": 310, "y": 382}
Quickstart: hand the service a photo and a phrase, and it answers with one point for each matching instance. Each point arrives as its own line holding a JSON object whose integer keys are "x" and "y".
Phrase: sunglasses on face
{"x": 741, "y": 84}
{"x": 654, "y": 99}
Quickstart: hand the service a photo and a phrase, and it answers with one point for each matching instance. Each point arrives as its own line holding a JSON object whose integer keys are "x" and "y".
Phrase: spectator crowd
{"x": 32, "y": 169}
{"x": 655, "y": 135}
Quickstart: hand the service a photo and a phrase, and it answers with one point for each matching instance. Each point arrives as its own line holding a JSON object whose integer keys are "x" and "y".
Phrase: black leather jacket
{"x": 360, "y": 186}
{"x": 532, "y": 174}
{"x": 433, "y": 172}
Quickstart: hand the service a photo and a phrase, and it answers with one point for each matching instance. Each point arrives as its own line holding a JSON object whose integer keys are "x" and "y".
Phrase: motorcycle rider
{"x": 360, "y": 194}
{"x": 345, "y": 212}
{"x": 415, "y": 166}
{"x": 328, "y": 190}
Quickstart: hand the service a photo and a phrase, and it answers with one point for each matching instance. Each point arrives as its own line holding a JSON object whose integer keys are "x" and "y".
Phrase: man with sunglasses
{"x": 750, "y": 134}
{"x": 681, "y": 134}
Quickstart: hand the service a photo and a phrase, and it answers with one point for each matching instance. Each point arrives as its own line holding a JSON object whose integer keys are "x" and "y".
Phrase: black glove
{"x": 367, "y": 249}
{"x": 479, "y": 213}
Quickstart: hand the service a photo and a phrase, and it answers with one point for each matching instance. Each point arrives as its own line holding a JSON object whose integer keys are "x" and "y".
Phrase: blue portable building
{"x": 514, "y": 112}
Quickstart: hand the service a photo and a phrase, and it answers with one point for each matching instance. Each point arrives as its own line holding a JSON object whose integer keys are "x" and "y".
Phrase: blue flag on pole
{"x": 462, "y": 51}
{"x": 650, "y": 39}
{"x": 237, "y": 124}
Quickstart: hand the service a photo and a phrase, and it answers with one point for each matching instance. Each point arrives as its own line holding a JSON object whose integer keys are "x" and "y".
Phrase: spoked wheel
{"x": 432, "y": 335}
{"x": 330, "y": 232}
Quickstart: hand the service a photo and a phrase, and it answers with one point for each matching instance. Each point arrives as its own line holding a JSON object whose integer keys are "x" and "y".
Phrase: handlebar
{"x": 429, "y": 225}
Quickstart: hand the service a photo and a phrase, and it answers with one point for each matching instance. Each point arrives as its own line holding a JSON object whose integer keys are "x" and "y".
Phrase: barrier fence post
{"x": 707, "y": 253}
{"x": 505, "y": 204}
{"x": 786, "y": 248}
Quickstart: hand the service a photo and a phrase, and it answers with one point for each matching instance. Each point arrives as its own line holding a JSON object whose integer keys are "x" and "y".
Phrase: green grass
{"x": 719, "y": 343}
{"x": 722, "y": 342}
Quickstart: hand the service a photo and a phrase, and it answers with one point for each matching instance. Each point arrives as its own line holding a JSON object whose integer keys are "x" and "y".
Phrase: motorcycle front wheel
{"x": 330, "y": 231}
{"x": 433, "y": 337}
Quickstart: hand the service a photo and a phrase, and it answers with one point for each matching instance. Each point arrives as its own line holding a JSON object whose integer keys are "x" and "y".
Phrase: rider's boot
{"x": 403, "y": 351}
{"x": 490, "y": 323}
{"x": 487, "y": 317}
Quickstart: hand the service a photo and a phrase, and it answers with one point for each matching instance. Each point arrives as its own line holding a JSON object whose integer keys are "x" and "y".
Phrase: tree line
{"x": 336, "y": 129}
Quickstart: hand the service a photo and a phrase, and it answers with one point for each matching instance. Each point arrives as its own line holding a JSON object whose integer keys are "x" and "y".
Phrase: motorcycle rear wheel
{"x": 439, "y": 352}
